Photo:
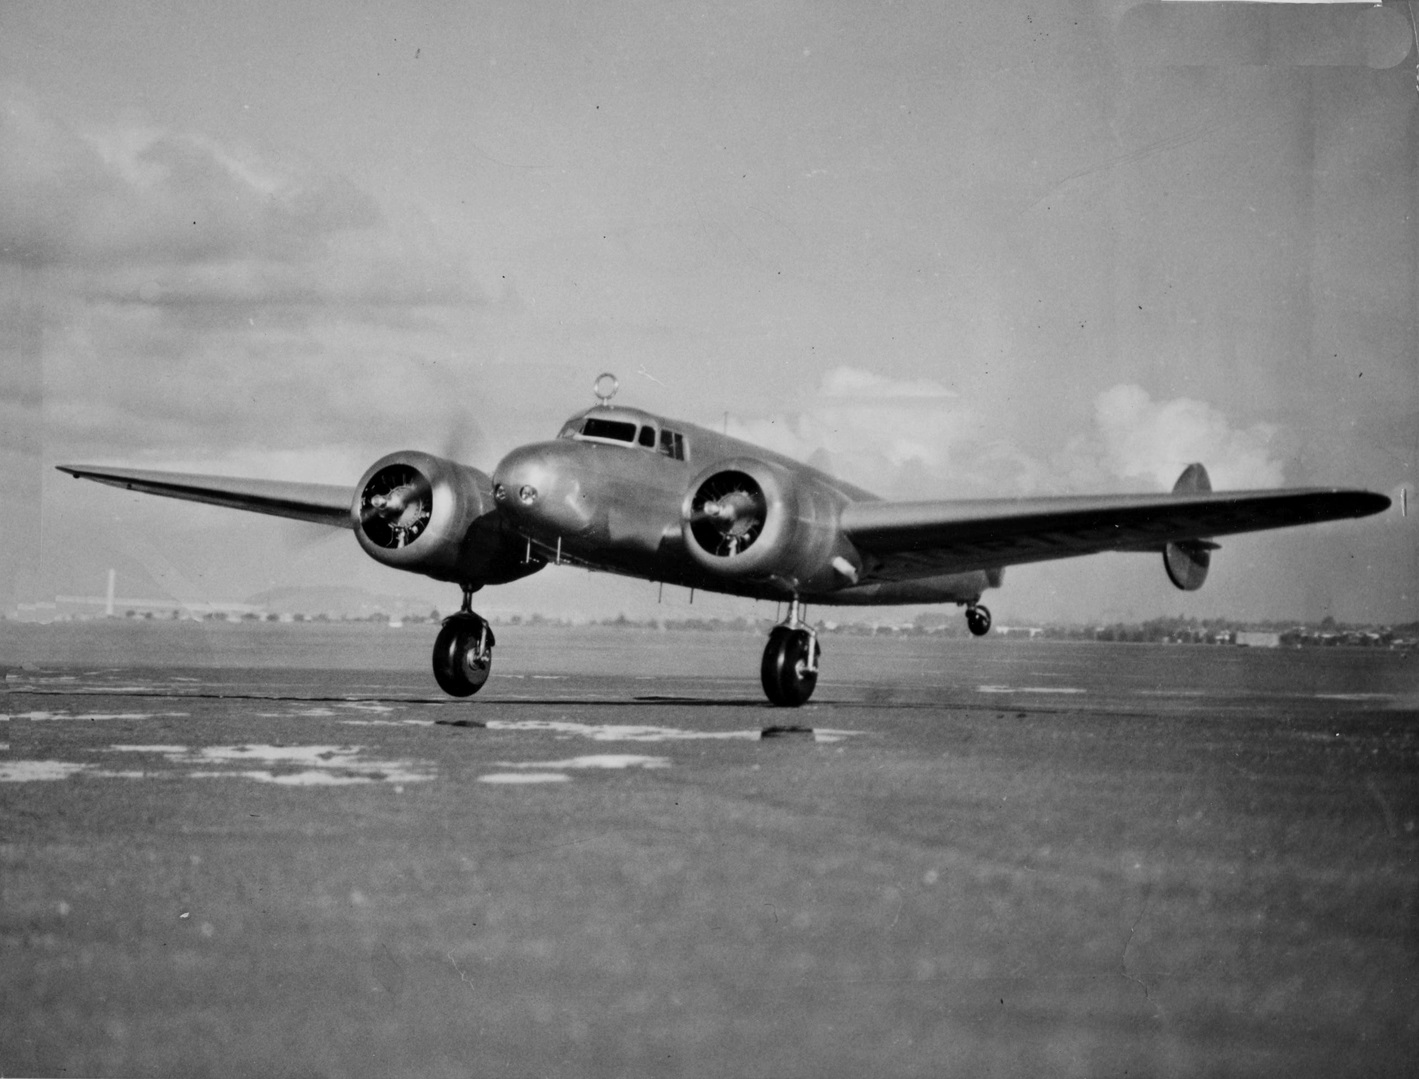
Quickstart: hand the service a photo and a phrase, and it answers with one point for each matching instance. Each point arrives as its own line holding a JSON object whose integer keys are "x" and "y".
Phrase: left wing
{"x": 902, "y": 541}
{"x": 319, "y": 503}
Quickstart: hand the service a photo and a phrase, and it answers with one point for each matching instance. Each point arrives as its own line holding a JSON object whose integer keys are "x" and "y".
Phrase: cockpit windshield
{"x": 628, "y": 432}
{"x": 616, "y": 430}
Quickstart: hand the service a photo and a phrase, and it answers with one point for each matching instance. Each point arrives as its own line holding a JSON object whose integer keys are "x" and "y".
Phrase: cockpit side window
{"x": 647, "y": 436}
{"x": 672, "y": 444}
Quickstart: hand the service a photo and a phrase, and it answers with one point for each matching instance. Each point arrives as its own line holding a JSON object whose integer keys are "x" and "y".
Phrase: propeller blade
{"x": 392, "y": 503}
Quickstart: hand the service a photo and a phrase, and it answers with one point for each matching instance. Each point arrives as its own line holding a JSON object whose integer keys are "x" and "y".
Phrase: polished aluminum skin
{"x": 646, "y": 496}
{"x": 628, "y": 492}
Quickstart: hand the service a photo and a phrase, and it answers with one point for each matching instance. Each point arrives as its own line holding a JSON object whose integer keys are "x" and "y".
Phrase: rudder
{"x": 1187, "y": 561}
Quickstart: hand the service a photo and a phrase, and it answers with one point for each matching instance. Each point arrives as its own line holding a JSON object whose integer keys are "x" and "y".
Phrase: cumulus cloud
{"x": 136, "y": 213}
{"x": 1143, "y": 438}
{"x": 188, "y": 296}
{"x": 868, "y": 428}
{"x": 143, "y": 194}
{"x": 919, "y": 439}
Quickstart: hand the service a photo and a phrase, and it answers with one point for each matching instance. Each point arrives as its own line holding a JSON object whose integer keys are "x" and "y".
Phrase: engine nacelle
{"x": 429, "y": 515}
{"x": 738, "y": 517}
{"x": 748, "y": 520}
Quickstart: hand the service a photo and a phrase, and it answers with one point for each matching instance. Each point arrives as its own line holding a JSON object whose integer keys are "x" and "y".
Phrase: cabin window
{"x": 648, "y": 436}
{"x": 672, "y": 444}
{"x": 616, "y": 430}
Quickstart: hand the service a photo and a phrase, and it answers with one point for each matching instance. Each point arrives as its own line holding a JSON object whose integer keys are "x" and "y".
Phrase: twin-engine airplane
{"x": 624, "y": 491}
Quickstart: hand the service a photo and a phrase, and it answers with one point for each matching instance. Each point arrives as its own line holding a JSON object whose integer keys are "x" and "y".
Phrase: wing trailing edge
{"x": 318, "y": 503}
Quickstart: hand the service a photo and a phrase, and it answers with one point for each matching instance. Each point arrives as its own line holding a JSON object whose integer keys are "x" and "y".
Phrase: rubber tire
{"x": 978, "y": 620}
{"x": 456, "y": 674}
{"x": 786, "y": 683}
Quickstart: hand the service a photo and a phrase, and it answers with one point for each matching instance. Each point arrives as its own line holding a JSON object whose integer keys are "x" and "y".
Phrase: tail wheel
{"x": 463, "y": 655}
{"x": 790, "y": 668}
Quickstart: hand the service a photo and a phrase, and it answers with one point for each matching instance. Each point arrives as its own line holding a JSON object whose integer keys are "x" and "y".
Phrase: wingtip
{"x": 1362, "y": 503}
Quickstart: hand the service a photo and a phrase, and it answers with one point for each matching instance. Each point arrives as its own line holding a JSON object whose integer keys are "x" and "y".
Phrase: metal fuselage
{"x": 623, "y": 506}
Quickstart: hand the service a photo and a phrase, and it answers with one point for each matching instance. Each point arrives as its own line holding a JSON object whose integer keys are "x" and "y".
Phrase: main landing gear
{"x": 978, "y": 620}
{"x": 463, "y": 651}
{"x": 790, "y": 668}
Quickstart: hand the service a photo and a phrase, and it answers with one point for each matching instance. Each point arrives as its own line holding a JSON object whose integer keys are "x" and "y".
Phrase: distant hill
{"x": 338, "y": 601}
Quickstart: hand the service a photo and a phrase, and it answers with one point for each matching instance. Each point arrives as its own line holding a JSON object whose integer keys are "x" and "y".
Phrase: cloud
{"x": 888, "y": 435}
{"x": 134, "y": 213}
{"x": 141, "y": 194}
{"x": 1141, "y": 438}
{"x": 854, "y": 384}
{"x": 919, "y": 439}
{"x": 188, "y": 298}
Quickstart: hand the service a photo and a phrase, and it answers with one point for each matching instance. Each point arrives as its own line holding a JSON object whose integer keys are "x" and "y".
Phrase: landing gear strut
{"x": 978, "y": 620}
{"x": 463, "y": 651}
{"x": 790, "y": 668}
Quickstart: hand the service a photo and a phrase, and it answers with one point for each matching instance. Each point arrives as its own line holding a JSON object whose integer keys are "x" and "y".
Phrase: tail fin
{"x": 1187, "y": 562}
{"x": 1194, "y": 480}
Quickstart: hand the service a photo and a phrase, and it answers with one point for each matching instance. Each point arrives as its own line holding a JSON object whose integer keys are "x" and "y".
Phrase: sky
{"x": 944, "y": 250}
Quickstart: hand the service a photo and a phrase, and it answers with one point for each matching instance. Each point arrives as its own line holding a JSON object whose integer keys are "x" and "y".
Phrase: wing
{"x": 902, "y": 541}
{"x": 319, "y": 503}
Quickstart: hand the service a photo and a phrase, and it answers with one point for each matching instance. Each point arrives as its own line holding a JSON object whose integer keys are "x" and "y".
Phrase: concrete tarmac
{"x": 278, "y": 850}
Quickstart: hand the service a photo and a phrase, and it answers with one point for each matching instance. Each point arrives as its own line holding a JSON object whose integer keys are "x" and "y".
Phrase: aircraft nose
{"x": 536, "y": 486}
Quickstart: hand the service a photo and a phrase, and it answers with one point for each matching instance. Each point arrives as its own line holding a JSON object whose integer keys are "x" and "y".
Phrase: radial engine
{"x": 746, "y": 519}
{"x": 430, "y": 515}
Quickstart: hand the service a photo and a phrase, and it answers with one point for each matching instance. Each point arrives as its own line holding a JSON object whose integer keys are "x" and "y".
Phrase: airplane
{"x": 624, "y": 491}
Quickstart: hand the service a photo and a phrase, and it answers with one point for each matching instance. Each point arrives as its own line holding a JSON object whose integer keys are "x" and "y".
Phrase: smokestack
{"x": 112, "y": 581}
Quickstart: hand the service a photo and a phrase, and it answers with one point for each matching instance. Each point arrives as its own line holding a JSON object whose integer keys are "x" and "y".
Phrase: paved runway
{"x": 276, "y": 850}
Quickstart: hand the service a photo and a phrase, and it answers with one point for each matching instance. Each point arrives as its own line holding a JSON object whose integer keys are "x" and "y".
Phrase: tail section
{"x": 1194, "y": 480}
{"x": 1187, "y": 561}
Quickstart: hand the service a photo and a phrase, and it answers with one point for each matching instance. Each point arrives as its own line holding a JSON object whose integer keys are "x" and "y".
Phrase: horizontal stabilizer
{"x": 319, "y": 503}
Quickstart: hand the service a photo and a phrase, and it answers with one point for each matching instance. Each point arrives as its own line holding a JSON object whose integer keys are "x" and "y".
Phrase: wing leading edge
{"x": 319, "y": 503}
{"x": 902, "y": 541}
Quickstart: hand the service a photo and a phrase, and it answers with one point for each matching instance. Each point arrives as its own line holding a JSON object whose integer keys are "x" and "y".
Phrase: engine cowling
{"x": 429, "y": 515}
{"x": 740, "y": 517}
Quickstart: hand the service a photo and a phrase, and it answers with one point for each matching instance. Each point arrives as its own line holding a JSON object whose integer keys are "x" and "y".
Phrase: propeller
{"x": 395, "y": 506}
{"x": 728, "y": 513}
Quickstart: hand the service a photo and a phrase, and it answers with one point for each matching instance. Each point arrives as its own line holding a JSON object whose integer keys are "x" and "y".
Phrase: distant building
{"x": 1250, "y": 638}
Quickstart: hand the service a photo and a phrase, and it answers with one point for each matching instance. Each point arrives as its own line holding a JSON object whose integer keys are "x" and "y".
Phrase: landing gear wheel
{"x": 463, "y": 654}
{"x": 790, "y": 668}
{"x": 978, "y": 620}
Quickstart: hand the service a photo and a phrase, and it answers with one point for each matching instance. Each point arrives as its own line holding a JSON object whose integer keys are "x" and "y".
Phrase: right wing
{"x": 319, "y": 503}
{"x": 903, "y": 541}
